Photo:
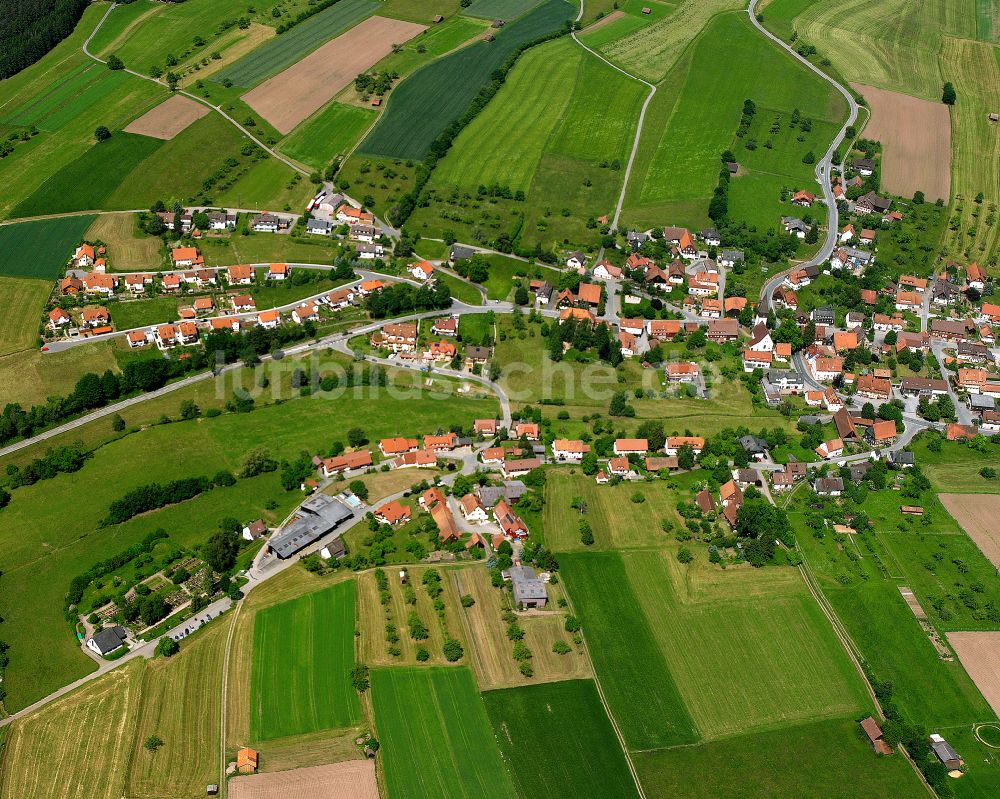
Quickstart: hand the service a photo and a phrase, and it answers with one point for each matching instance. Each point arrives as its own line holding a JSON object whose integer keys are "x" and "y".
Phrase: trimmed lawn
{"x": 303, "y": 655}
{"x": 435, "y": 735}
{"x": 50, "y": 243}
{"x": 637, "y": 683}
{"x": 828, "y": 759}
{"x": 139, "y": 313}
{"x": 580, "y": 756}
{"x": 22, "y": 300}
{"x": 330, "y": 133}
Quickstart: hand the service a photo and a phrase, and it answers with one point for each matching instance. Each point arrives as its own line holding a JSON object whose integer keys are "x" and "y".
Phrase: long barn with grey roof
{"x": 318, "y": 516}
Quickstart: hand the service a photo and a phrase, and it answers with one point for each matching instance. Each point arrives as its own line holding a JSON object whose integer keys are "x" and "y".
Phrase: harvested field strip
{"x": 295, "y": 94}
{"x": 424, "y": 104}
{"x": 975, "y": 146}
{"x": 977, "y": 514}
{"x": 980, "y": 656}
{"x": 581, "y": 756}
{"x": 128, "y": 249}
{"x": 653, "y": 50}
{"x": 436, "y": 739}
{"x": 634, "y": 675}
{"x": 180, "y": 705}
{"x": 285, "y": 50}
{"x": 354, "y": 780}
{"x": 916, "y": 142}
{"x": 303, "y": 654}
{"x": 50, "y": 243}
{"x": 77, "y": 746}
{"x": 22, "y": 301}
{"x": 168, "y": 118}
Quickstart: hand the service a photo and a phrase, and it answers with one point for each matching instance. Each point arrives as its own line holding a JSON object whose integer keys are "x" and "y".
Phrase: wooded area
{"x": 30, "y": 28}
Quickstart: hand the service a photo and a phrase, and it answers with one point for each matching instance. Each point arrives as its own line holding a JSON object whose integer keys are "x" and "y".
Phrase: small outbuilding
{"x": 873, "y": 732}
{"x": 529, "y": 591}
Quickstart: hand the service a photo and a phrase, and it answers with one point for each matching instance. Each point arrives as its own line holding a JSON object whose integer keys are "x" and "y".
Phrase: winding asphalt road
{"x": 823, "y": 167}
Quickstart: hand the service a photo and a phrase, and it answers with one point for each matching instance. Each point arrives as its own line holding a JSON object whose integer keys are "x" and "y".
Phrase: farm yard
{"x": 916, "y": 142}
{"x": 414, "y": 706}
{"x": 289, "y": 695}
{"x": 579, "y": 758}
{"x": 167, "y": 119}
{"x": 407, "y": 130}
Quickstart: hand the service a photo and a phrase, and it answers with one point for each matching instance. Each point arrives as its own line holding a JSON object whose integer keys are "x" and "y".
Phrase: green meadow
{"x": 40, "y": 248}
{"x": 332, "y": 132}
{"x": 303, "y": 653}
{"x": 435, "y": 736}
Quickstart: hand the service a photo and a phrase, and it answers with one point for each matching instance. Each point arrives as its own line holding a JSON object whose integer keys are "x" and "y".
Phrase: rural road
{"x": 823, "y": 167}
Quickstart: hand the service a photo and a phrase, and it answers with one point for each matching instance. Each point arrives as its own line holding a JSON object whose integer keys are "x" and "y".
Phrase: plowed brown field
{"x": 916, "y": 142}
{"x": 168, "y": 118}
{"x": 354, "y": 779}
{"x": 299, "y": 91}
{"x": 980, "y": 656}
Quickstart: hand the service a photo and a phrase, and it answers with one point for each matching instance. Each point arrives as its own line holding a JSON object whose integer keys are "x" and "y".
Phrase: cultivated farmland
{"x": 74, "y": 187}
{"x": 893, "y": 45}
{"x": 351, "y": 780}
{"x": 285, "y": 50}
{"x": 827, "y": 758}
{"x": 502, "y": 9}
{"x": 50, "y": 243}
{"x": 449, "y": 85}
{"x": 429, "y": 720}
{"x": 301, "y": 90}
{"x": 916, "y": 142}
{"x": 977, "y": 514}
{"x": 22, "y": 300}
{"x": 332, "y": 132}
{"x": 623, "y": 23}
{"x": 303, "y": 655}
{"x": 637, "y": 683}
{"x": 980, "y": 656}
{"x": 581, "y": 756}
{"x": 94, "y": 725}
{"x": 168, "y": 118}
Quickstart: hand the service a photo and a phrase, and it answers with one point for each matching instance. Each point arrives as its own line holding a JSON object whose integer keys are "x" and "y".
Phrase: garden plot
{"x": 295, "y": 94}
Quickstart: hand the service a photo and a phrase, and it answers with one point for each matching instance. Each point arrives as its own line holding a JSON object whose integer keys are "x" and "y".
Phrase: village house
{"x": 307, "y": 312}
{"x": 881, "y": 433}
{"x": 569, "y": 450}
{"x": 441, "y": 443}
{"x": 239, "y": 275}
{"x": 485, "y": 427}
{"x": 663, "y": 329}
{"x": 828, "y": 486}
{"x": 365, "y": 233}
{"x": 674, "y": 444}
{"x": 420, "y": 458}
{"x": 721, "y": 331}
{"x": 795, "y": 226}
{"x": 952, "y": 330}
{"x": 440, "y": 351}
{"x": 871, "y": 203}
{"x": 421, "y": 270}
{"x": 397, "y": 337}
{"x": 369, "y": 252}
{"x": 473, "y": 510}
{"x": 95, "y": 317}
{"x": 757, "y": 360}
{"x": 605, "y": 270}
{"x": 682, "y": 372}
{"x": 393, "y": 513}
{"x": 182, "y": 257}
{"x": 349, "y": 461}
{"x": 269, "y": 319}
{"x": 278, "y": 271}
{"x": 510, "y": 522}
{"x": 874, "y": 388}
{"x": 528, "y": 430}
{"x": 244, "y": 303}
{"x": 833, "y": 448}
{"x": 447, "y": 326}
{"x": 396, "y": 446}
{"x": 96, "y": 283}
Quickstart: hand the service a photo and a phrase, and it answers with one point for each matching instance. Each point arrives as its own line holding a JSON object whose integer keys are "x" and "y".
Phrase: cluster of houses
{"x": 403, "y": 340}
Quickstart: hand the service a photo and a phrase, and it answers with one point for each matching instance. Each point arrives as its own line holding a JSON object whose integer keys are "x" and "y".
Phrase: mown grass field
{"x": 974, "y": 68}
{"x": 419, "y": 10}
{"x": 40, "y": 249}
{"x": 988, "y": 20}
{"x": 50, "y": 526}
{"x": 406, "y": 129}
{"x": 638, "y": 686}
{"x": 94, "y": 725}
{"x": 74, "y": 187}
{"x": 708, "y": 622}
{"x": 120, "y": 23}
{"x": 652, "y": 50}
{"x": 631, "y": 20}
{"x": 303, "y": 656}
{"x": 779, "y": 15}
{"x": 617, "y": 522}
{"x": 330, "y": 133}
{"x": 894, "y": 45}
{"x": 581, "y": 756}
{"x": 180, "y": 704}
{"x": 490, "y": 653}
{"x": 435, "y": 735}
{"x": 22, "y": 300}
{"x": 681, "y": 168}
{"x": 128, "y": 248}
{"x": 827, "y": 758}
{"x": 284, "y": 50}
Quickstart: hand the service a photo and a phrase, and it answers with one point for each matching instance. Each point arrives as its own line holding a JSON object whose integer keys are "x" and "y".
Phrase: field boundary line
{"x": 600, "y": 688}
{"x": 224, "y": 699}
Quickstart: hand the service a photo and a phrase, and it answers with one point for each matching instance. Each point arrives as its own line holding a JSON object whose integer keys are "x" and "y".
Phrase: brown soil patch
{"x": 168, "y": 118}
{"x": 979, "y": 654}
{"x": 916, "y": 142}
{"x": 295, "y": 94}
{"x": 354, "y": 779}
{"x": 978, "y": 514}
{"x": 606, "y": 19}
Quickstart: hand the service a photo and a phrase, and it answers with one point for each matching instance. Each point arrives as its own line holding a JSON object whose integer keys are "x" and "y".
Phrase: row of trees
{"x": 155, "y": 495}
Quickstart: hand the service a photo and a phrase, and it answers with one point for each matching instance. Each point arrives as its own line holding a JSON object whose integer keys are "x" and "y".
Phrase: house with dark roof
{"x": 528, "y": 590}
{"x": 108, "y": 640}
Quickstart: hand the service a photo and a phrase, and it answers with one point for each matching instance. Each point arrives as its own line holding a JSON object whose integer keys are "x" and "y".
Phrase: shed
{"x": 212, "y": 790}
{"x": 911, "y": 510}
{"x": 529, "y": 591}
{"x": 994, "y": 117}
{"x": 873, "y": 732}
{"x": 945, "y": 752}
{"x": 438, "y": 19}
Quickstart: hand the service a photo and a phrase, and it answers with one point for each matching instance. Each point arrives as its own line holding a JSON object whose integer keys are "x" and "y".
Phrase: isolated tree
{"x": 221, "y": 549}
{"x": 102, "y": 133}
{"x": 167, "y": 647}
{"x": 115, "y": 63}
{"x": 117, "y": 423}
{"x": 948, "y": 96}
{"x": 152, "y": 743}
